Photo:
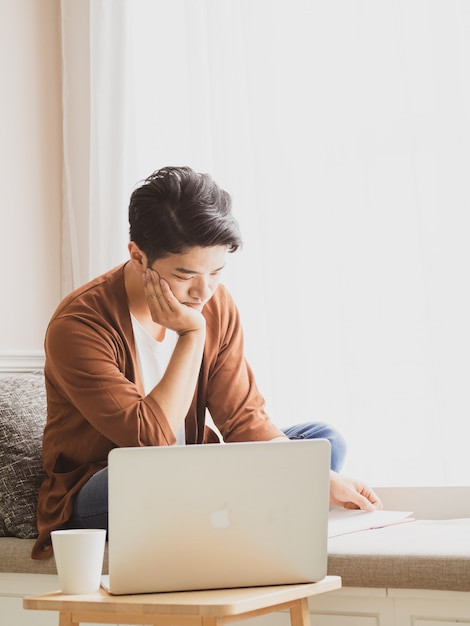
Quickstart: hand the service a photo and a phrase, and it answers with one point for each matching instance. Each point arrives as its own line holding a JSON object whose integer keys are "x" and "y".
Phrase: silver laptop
{"x": 217, "y": 516}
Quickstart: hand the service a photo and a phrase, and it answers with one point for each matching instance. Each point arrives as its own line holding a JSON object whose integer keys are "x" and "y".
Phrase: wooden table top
{"x": 210, "y": 602}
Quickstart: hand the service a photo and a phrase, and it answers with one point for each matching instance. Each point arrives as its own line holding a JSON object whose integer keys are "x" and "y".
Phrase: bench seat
{"x": 422, "y": 554}
{"x": 15, "y": 558}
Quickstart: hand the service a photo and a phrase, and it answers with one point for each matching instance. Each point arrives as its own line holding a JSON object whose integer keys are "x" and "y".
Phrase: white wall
{"x": 30, "y": 172}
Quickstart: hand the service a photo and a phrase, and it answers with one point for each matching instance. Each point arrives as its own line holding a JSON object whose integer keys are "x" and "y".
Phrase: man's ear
{"x": 138, "y": 258}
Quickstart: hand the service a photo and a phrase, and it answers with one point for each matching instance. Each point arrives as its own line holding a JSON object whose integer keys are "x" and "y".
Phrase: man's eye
{"x": 184, "y": 277}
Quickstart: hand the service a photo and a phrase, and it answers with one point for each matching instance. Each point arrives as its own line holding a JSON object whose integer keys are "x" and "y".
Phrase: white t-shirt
{"x": 152, "y": 358}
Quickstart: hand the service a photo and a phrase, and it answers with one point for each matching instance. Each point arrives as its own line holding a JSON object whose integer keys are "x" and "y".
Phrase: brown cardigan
{"x": 96, "y": 401}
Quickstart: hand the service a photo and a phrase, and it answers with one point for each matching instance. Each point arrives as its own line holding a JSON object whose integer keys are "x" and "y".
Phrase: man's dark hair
{"x": 176, "y": 209}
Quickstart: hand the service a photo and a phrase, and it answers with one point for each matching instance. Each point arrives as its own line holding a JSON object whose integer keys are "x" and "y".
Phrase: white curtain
{"x": 342, "y": 130}
{"x": 98, "y": 137}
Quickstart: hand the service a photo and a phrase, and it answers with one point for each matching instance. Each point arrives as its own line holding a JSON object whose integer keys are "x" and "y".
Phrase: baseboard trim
{"x": 17, "y": 362}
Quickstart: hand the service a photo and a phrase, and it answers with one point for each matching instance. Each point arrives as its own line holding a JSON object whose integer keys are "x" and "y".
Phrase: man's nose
{"x": 200, "y": 288}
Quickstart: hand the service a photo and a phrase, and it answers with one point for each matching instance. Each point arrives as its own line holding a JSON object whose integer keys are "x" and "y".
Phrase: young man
{"x": 137, "y": 356}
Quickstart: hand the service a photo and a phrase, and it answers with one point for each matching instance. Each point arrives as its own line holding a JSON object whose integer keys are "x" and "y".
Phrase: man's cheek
{"x": 178, "y": 292}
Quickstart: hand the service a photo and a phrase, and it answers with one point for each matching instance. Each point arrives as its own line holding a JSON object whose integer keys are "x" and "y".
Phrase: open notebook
{"x": 344, "y": 521}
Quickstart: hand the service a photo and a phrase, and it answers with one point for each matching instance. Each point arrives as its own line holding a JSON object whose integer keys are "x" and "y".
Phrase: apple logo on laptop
{"x": 220, "y": 518}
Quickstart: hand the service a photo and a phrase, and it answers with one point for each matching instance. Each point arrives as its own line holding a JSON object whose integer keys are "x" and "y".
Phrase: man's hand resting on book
{"x": 352, "y": 494}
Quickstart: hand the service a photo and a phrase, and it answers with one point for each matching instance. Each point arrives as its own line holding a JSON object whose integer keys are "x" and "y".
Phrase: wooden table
{"x": 185, "y": 608}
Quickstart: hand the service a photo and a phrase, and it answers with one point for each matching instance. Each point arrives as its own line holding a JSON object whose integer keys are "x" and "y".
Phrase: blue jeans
{"x": 321, "y": 430}
{"x": 91, "y": 503}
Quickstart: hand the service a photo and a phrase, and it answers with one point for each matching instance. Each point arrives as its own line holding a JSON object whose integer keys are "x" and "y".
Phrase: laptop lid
{"x": 217, "y": 516}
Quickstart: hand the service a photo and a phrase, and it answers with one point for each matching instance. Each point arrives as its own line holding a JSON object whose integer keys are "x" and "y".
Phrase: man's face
{"x": 194, "y": 276}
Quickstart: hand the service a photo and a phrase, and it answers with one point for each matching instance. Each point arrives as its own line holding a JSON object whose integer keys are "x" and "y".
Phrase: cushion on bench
{"x": 422, "y": 554}
{"x": 425, "y": 554}
{"x": 15, "y": 558}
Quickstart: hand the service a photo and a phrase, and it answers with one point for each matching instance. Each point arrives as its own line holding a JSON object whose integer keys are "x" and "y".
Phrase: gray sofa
{"x": 426, "y": 554}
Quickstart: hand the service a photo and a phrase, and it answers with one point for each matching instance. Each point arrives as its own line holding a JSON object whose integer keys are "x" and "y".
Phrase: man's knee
{"x": 322, "y": 430}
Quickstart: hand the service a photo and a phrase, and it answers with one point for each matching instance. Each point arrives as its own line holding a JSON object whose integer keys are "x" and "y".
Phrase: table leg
{"x": 299, "y": 613}
{"x": 65, "y": 619}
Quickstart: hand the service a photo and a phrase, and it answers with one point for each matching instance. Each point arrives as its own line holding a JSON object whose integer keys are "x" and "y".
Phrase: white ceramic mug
{"x": 78, "y": 554}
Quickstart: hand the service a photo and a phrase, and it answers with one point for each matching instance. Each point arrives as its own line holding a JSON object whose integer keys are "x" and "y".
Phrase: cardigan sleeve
{"x": 91, "y": 377}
